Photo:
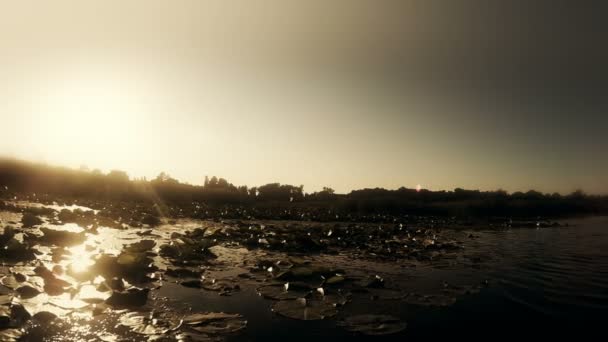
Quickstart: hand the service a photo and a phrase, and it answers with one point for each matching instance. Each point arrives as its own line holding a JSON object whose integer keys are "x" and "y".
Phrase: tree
{"x": 118, "y": 176}
{"x": 328, "y": 190}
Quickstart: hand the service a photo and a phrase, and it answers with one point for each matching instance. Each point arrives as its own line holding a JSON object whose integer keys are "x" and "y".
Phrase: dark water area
{"x": 544, "y": 282}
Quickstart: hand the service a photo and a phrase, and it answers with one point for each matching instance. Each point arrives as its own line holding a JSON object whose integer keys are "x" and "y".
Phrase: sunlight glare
{"x": 80, "y": 259}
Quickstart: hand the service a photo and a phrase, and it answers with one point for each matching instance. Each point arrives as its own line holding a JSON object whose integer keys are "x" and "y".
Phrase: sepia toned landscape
{"x": 327, "y": 170}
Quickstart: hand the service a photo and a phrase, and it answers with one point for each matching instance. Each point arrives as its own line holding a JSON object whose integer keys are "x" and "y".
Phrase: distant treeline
{"x": 21, "y": 177}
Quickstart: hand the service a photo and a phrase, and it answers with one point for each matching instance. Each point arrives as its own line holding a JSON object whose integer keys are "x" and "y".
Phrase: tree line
{"x": 24, "y": 177}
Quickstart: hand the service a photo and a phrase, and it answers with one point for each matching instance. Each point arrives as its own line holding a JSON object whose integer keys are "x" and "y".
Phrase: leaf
{"x": 303, "y": 309}
{"x": 215, "y": 322}
{"x": 5, "y": 316}
{"x": 142, "y": 324}
{"x": 200, "y": 318}
{"x": 141, "y": 246}
{"x": 281, "y": 292}
{"x": 10, "y": 334}
{"x": 195, "y": 337}
{"x": 27, "y": 291}
{"x": 227, "y": 326}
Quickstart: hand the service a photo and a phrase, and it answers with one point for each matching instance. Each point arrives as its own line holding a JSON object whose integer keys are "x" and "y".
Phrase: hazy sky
{"x": 344, "y": 93}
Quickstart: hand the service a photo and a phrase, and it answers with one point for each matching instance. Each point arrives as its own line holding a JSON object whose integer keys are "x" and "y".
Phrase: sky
{"x": 351, "y": 94}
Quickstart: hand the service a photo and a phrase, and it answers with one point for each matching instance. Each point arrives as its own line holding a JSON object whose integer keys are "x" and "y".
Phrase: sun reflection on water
{"x": 80, "y": 258}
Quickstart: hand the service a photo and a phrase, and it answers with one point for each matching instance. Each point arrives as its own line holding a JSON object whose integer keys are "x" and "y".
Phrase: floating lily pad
{"x": 141, "y": 323}
{"x": 67, "y": 301}
{"x": 6, "y": 299}
{"x": 61, "y": 237}
{"x": 55, "y": 286}
{"x": 19, "y": 315}
{"x": 335, "y": 280}
{"x": 300, "y": 272}
{"x": 90, "y": 294}
{"x": 373, "y": 282}
{"x": 141, "y": 246}
{"x": 282, "y": 292}
{"x": 27, "y": 291}
{"x": 10, "y": 281}
{"x": 212, "y": 323}
{"x": 224, "y": 286}
{"x": 336, "y": 299}
{"x": 205, "y": 317}
{"x": 9, "y": 335}
{"x": 5, "y": 316}
{"x": 373, "y": 324}
{"x": 30, "y": 220}
{"x": 304, "y": 309}
{"x": 226, "y": 326}
{"x": 35, "y": 306}
{"x": 131, "y": 297}
{"x": 13, "y": 249}
{"x": 195, "y": 337}
{"x": 44, "y": 316}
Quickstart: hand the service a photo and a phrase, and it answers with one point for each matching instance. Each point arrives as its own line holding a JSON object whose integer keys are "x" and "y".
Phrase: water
{"x": 544, "y": 282}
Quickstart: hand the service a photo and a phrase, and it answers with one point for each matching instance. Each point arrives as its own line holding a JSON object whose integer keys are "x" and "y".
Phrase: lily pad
{"x": 373, "y": 324}
{"x": 282, "y": 292}
{"x": 10, "y": 334}
{"x": 335, "y": 280}
{"x": 141, "y": 323}
{"x": 201, "y": 318}
{"x": 5, "y": 316}
{"x": 89, "y": 294}
{"x": 195, "y": 337}
{"x": 30, "y": 220}
{"x": 304, "y": 309}
{"x": 10, "y": 281}
{"x": 44, "y": 317}
{"x": 27, "y": 291}
{"x": 227, "y": 326}
{"x": 61, "y": 237}
{"x": 224, "y": 286}
{"x": 213, "y": 323}
{"x": 131, "y": 297}
{"x": 141, "y": 246}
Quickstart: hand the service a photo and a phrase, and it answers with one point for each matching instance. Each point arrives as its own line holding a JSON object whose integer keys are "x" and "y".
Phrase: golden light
{"x": 80, "y": 259}
{"x": 88, "y": 114}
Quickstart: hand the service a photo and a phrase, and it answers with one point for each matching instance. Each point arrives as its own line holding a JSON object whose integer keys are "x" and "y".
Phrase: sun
{"x": 80, "y": 259}
{"x": 87, "y": 117}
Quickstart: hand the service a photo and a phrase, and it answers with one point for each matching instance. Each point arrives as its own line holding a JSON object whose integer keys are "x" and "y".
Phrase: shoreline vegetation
{"x": 165, "y": 196}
